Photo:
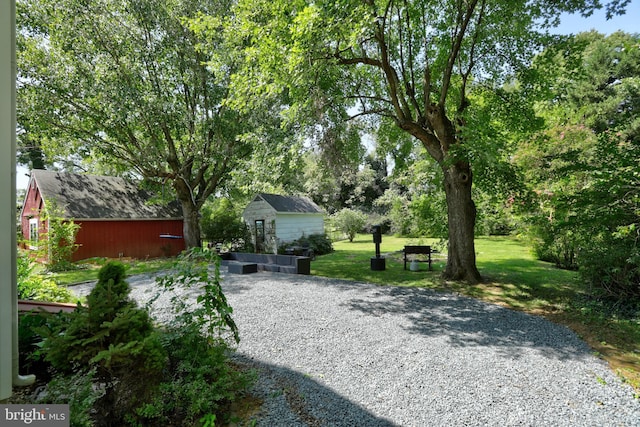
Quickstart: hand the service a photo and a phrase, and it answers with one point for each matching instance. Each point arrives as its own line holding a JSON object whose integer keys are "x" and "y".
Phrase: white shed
{"x": 275, "y": 219}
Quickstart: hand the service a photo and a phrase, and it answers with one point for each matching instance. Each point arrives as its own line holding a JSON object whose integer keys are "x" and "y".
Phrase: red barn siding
{"x": 135, "y": 239}
{"x": 112, "y": 238}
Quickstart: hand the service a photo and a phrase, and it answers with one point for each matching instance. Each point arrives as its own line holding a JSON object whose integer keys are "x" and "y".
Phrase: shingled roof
{"x": 289, "y": 204}
{"x": 100, "y": 197}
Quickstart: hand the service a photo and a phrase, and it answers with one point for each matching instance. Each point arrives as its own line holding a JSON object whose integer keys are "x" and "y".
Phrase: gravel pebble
{"x": 338, "y": 353}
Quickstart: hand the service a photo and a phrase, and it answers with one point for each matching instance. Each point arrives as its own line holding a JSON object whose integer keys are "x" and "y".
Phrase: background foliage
{"x": 583, "y": 168}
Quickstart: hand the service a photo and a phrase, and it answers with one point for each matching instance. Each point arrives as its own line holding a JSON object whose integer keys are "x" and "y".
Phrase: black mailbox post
{"x": 378, "y": 263}
{"x": 377, "y": 237}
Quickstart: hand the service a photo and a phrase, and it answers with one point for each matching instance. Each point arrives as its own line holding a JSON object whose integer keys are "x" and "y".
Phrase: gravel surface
{"x": 336, "y": 353}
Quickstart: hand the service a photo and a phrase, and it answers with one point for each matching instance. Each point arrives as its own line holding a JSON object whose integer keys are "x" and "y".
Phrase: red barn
{"x": 116, "y": 218}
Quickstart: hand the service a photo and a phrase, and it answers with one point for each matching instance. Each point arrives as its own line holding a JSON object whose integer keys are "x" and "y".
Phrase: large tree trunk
{"x": 461, "y": 213}
{"x": 191, "y": 214}
{"x": 191, "y": 225}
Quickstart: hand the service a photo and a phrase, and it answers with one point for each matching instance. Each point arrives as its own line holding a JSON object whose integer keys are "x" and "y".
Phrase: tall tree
{"x": 584, "y": 167}
{"x": 124, "y": 82}
{"x": 411, "y": 62}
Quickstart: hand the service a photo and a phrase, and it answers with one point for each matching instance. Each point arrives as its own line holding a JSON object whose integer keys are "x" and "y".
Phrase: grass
{"x": 351, "y": 261}
{"x": 88, "y": 270}
{"x": 513, "y": 278}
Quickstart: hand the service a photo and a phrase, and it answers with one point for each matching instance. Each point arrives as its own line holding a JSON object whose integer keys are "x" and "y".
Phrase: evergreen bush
{"x": 114, "y": 367}
{"x": 115, "y": 338}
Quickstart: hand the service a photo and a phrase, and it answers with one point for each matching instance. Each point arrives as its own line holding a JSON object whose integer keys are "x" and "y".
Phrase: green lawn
{"x": 351, "y": 260}
{"x": 500, "y": 259}
{"x": 88, "y": 270}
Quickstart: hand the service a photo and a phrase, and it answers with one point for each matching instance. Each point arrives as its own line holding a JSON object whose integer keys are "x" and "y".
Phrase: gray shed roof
{"x": 100, "y": 197}
{"x": 291, "y": 204}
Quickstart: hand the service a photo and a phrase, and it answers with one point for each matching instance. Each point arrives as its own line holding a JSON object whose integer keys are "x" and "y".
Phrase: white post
{"x": 7, "y": 193}
{"x": 8, "y": 292}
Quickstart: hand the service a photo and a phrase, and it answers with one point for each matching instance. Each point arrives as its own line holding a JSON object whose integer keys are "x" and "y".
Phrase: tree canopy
{"x": 410, "y": 63}
{"x": 125, "y": 85}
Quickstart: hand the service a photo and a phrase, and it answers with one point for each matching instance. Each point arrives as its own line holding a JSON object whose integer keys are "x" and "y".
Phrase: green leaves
{"x": 349, "y": 221}
{"x": 211, "y": 314}
{"x": 133, "y": 88}
{"x": 59, "y": 240}
{"x": 585, "y": 166}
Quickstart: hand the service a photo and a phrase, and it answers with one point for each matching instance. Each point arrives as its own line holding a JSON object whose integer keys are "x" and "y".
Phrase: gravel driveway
{"x": 336, "y": 353}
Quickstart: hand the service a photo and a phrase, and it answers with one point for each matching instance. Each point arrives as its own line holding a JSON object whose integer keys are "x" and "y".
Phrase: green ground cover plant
{"x": 36, "y": 287}
{"x": 513, "y": 278}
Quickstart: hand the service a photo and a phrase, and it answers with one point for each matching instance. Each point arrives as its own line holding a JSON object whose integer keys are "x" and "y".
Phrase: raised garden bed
{"x": 25, "y": 306}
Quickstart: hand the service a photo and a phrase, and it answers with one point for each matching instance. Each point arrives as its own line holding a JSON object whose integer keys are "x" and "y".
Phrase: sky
{"x": 569, "y": 24}
{"x": 573, "y": 24}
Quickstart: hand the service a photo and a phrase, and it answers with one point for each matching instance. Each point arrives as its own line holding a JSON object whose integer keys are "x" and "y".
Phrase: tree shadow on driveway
{"x": 471, "y": 323}
{"x": 347, "y": 353}
{"x": 294, "y": 399}
{"x": 463, "y": 321}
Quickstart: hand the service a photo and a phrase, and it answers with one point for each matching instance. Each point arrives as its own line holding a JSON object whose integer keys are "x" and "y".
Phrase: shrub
{"x": 79, "y": 392}
{"x": 30, "y": 340}
{"x": 115, "y": 338}
{"x": 400, "y": 217}
{"x": 32, "y": 286}
{"x": 108, "y": 333}
{"x": 221, "y": 223}
{"x": 211, "y": 314}
{"x": 320, "y": 244}
{"x": 201, "y": 380}
{"x": 349, "y": 221}
{"x": 37, "y": 288}
{"x": 612, "y": 266}
{"x": 552, "y": 242}
{"x": 60, "y": 240}
{"x": 24, "y": 266}
{"x": 114, "y": 368}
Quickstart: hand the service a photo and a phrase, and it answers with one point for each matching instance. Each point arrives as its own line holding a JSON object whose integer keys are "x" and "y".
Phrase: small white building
{"x": 275, "y": 219}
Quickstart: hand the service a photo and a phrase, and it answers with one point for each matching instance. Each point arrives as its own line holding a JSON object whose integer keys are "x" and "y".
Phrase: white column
{"x": 7, "y": 194}
{"x": 9, "y": 374}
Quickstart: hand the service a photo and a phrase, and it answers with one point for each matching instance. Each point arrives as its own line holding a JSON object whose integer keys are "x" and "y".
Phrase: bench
{"x": 418, "y": 250}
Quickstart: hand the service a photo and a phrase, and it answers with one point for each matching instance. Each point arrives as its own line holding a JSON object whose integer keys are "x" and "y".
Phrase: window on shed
{"x": 33, "y": 233}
